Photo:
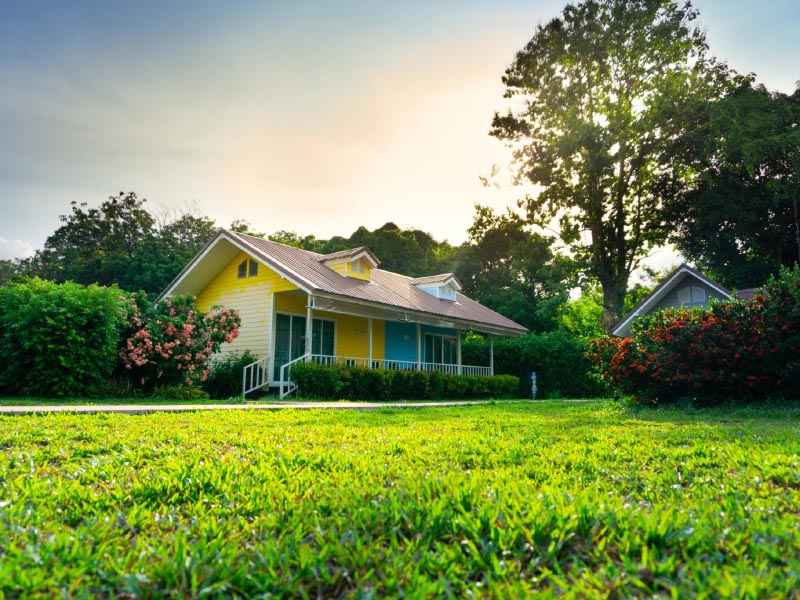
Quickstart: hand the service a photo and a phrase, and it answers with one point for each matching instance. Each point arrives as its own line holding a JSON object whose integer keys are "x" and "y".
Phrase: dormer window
{"x": 247, "y": 268}
{"x": 355, "y": 263}
{"x": 442, "y": 286}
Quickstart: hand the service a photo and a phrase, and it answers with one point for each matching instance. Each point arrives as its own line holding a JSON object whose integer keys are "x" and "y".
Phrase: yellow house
{"x": 336, "y": 308}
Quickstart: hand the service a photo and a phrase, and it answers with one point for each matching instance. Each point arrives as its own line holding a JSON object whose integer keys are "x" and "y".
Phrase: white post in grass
{"x": 491, "y": 354}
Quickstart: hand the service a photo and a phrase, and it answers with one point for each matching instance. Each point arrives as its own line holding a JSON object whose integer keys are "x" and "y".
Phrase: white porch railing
{"x": 399, "y": 365}
{"x": 255, "y": 376}
{"x": 286, "y": 386}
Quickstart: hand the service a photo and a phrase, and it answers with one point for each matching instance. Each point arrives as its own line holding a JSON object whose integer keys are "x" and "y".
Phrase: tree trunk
{"x": 613, "y": 301}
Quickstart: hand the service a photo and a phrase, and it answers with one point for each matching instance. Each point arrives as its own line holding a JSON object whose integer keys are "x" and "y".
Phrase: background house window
{"x": 698, "y": 294}
{"x": 684, "y": 295}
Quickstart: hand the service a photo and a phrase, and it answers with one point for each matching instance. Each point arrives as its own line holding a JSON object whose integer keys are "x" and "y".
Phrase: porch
{"x": 307, "y": 328}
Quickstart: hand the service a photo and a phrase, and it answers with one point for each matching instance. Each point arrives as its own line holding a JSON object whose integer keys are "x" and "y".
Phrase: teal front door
{"x": 290, "y": 340}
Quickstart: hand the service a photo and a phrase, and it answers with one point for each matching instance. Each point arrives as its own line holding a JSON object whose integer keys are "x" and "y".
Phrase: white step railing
{"x": 255, "y": 376}
{"x": 285, "y": 385}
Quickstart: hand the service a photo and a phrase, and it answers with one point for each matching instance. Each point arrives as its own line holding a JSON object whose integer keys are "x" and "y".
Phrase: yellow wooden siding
{"x": 349, "y": 342}
{"x": 252, "y": 297}
{"x": 352, "y": 269}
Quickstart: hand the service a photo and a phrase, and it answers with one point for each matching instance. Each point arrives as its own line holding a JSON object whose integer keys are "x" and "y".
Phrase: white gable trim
{"x": 247, "y": 249}
{"x": 665, "y": 288}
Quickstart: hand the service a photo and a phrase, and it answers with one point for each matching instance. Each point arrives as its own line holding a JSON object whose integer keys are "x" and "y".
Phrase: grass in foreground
{"x": 585, "y": 500}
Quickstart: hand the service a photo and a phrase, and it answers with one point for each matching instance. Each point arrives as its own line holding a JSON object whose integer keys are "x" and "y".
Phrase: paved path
{"x": 140, "y": 409}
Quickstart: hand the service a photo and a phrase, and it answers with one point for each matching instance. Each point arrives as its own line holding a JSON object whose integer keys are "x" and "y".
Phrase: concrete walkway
{"x": 141, "y": 409}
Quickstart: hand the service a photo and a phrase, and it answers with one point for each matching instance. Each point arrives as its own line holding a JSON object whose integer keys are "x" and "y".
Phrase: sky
{"x": 313, "y": 117}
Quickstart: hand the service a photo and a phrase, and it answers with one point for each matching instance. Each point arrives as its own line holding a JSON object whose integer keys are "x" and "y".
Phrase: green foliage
{"x": 225, "y": 374}
{"x": 119, "y": 243}
{"x": 732, "y": 352}
{"x": 600, "y": 96}
{"x": 513, "y": 270}
{"x": 747, "y": 151}
{"x": 172, "y": 342}
{"x": 507, "y": 501}
{"x": 559, "y": 360}
{"x": 353, "y": 383}
{"x": 95, "y": 245}
{"x": 179, "y": 392}
{"x": 58, "y": 340}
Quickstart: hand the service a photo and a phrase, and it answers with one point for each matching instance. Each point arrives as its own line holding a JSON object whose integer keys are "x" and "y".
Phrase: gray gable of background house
{"x": 689, "y": 292}
{"x": 684, "y": 287}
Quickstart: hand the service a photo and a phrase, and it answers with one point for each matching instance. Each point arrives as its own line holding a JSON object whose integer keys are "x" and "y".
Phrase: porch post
{"x": 458, "y": 350}
{"x": 309, "y": 323}
{"x": 491, "y": 354}
{"x": 419, "y": 347}
{"x": 369, "y": 342}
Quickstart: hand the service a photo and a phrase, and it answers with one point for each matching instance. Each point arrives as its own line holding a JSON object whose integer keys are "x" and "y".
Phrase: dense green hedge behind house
{"x": 560, "y": 361}
{"x": 58, "y": 340}
{"x": 353, "y": 383}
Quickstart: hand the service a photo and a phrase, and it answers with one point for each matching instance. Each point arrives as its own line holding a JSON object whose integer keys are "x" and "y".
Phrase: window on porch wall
{"x": 440, "y": 349}
{"x": 290, "y": 342}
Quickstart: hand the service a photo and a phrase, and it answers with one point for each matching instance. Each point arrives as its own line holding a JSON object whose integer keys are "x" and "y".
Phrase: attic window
{"x": 247, "y": 268}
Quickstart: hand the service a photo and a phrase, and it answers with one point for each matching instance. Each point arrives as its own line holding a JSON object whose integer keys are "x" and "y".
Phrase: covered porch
{"x": 332, "y": 331}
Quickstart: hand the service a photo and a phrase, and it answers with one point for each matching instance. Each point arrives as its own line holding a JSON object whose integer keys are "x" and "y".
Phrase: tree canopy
{"x": 598, "y": 98}
{"x": 739, "y": 220}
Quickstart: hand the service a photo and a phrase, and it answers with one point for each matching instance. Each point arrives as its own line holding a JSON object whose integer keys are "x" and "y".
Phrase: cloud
{"x": 14, "y": 249}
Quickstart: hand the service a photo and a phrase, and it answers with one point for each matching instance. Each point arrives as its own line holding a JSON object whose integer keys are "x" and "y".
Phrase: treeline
{"x": 121, "y": 242}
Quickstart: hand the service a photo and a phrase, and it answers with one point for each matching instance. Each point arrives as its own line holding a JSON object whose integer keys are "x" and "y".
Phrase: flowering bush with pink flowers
{"x": 734, "y": 351}
{"x": 171, "y": 342}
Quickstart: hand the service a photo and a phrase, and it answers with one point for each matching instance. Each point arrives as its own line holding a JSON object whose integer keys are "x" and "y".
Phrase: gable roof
{"x": 647, "y": 303}
{"x": 442, "y": 278}
{"x": 384, "y": 291}
{"x": 349, "y": 254}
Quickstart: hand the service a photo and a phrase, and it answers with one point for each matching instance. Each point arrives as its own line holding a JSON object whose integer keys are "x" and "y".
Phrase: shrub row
{"x": 561, "y": 363}
{"x": 734, "y": 351}
{"x": 63, "y": 340}
{"x": 354, "y": 383}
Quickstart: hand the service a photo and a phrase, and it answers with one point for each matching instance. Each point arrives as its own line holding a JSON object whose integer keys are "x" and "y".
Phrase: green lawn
{"x": 500, "y": 501}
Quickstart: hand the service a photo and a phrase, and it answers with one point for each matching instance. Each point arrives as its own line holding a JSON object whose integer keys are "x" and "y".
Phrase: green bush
{"x": 58, "y": 340}
{"x": 225, "y": 374}
{"x": 732, "y": 352}
{"x": 172, "y": 342}
{"x": 179, "y": 392}
{"x": 353, "y": 383}
{"x": 560, "y": 361}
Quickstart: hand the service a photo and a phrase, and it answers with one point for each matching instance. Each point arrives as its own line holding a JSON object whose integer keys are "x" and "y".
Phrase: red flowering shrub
{"x": 172, "y": 342}
{"x": 732, "y": 351}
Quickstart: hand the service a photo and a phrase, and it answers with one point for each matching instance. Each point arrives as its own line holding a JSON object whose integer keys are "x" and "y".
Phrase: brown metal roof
{"x": 348, "y": 254}
{"x": 384, "y": 288}
{"x": 435, "y": 279}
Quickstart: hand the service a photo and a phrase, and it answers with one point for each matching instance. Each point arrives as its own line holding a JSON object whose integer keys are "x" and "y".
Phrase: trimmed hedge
{"x": 58, "y": 340}
{"x": 560, "y": 361}
{"x": 354, "y": 383}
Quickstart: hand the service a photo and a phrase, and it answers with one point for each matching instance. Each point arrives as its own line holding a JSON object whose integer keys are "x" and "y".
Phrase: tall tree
{"x": 513, "y": 270}
{"x": 95, "y": 245}
{"x": 162, "y": 254}
{"x": 739, "y": 221}
{"x": 600, "y": 96}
